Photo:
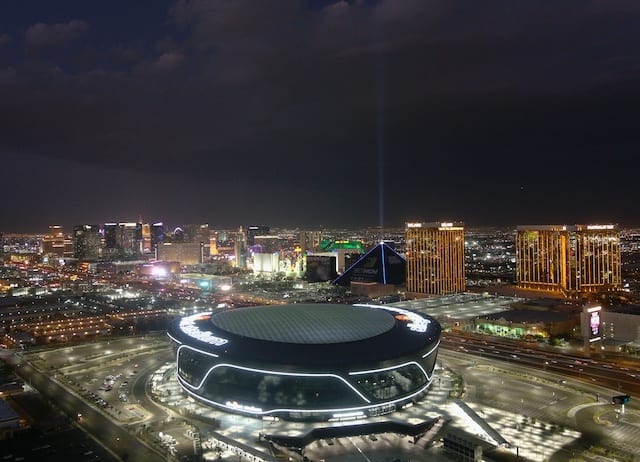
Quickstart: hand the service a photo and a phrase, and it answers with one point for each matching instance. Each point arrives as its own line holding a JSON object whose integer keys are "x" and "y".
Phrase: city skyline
{"x": 318, "y": 114}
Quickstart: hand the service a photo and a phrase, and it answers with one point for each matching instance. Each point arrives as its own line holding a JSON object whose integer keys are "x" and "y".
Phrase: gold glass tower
{"x": 568, "y": 259}
{"x": 435, "y": 258}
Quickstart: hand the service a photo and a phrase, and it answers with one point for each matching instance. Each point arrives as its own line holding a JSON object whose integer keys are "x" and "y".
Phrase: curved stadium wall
{"x": 306, "y": 362}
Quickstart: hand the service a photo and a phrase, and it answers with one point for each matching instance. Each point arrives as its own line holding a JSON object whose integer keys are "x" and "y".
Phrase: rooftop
{"x": 305, "y": 323}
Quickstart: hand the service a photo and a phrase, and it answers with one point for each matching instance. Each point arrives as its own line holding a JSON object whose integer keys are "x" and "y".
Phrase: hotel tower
{"x": 570, "y": 260}
{"x": 435, "y": 258}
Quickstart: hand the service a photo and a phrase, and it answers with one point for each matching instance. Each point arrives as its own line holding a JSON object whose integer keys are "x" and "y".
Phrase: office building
{"x": 435, "y": 258}
{"x": 187, "y": 253}
{"x": 146, "y": 238}
{"x": 310, "y": 241}
{"x": 56, "y": 243}
{"x": 109, "y": 236}
{"x": 571, "y": 260}
{"x": 240, "y": 248}
{"x": 157, "y": 235}
{"x": 266, "y": 244}
{"x": 320, "y": 268}
{"x": 253, "y": 231}
{"x": 196, "y": 233}
{"x": 86, "y": 242}
{"x": 129, "y": 239}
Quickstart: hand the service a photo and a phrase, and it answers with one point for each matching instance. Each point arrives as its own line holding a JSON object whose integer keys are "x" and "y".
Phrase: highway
{"x": 607, "y": 373}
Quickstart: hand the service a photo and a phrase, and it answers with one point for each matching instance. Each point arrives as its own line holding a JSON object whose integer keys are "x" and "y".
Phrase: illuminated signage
{"x": 600, "y": 226}
{"x": 446, "y": 225}
{"x": 242, "y": 407}
{"x": 594, "y": 323}
{"x": 593, "y": 320}
{"x": 414, "y": 225}
{"x": 415, "y": 322}
{"x": 189, "y": 327}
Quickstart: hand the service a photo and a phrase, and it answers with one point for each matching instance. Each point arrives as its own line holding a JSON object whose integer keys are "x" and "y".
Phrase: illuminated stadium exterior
{"x": 307, "y": 361}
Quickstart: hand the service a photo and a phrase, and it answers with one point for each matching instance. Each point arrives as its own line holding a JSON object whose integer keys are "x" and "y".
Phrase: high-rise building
{"x": 86, "y": 242}
{"x": 570, "y": 260}
{"x": 146, "y": 238}
{"x": 196, "y": 233}
{"x": 109, "y": 236}
{"x": 253, "y": 231}
{"x": 56, "y": 243}
{"x": 240, "y": 248}
{"x": 435, "y": 258}
{"x": 266, "y": 244}
{"x": 213, "y": 244}
{"x": 129, "y": 239}
{"x": 122, "y": 240}
{"x": 186, "y": 253}
{"x": 157, "y": 235}
{"x": 310, "y": 241}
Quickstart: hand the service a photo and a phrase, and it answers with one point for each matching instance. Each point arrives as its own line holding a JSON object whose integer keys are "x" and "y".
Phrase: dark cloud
{"x": 464, "y": 102}
{"x": 41, "y": 35}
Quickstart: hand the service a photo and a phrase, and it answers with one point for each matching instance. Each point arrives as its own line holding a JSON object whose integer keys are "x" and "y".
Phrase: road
{"x": 624, "y": 378}
{"x": 110, "y": 434}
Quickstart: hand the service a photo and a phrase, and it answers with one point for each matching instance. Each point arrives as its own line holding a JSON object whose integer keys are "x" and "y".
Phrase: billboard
{"x": 591, "y": 323}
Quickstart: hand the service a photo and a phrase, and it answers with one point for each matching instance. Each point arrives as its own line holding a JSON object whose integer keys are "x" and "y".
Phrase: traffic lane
{"x": 586, "y": 370}
{"x": 103, "y": 429}
{"x": 138, "y": 383}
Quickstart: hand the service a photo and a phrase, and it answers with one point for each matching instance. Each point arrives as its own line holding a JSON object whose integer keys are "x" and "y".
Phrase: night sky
{"x": 314, "y": 113}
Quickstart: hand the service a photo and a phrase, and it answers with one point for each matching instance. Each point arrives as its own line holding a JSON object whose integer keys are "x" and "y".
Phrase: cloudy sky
{"x": 319, "y": 113}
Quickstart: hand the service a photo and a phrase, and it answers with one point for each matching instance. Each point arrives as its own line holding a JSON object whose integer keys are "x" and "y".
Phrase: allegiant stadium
{"x": 306, "y": 361}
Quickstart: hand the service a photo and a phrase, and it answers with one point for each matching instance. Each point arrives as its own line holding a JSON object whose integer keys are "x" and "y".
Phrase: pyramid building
{"x": 381, "y": 265}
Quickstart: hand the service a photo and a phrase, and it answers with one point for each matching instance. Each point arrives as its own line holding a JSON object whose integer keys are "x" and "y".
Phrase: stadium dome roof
{"x": 305, "y": 323}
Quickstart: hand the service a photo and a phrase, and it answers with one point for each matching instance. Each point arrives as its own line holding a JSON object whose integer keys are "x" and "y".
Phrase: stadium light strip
{"x": 432, "y": 349}
{"x": 309, "y": 411}
{"x": 194, "y": 349}
{"x": 262, "y": 371}
{"x": 373, "y": 371}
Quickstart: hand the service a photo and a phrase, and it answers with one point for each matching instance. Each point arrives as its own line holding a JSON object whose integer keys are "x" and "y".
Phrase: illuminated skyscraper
{"x": 146, "y": 238}
{"x": 109, "y": 236}
{"x": 435, "y": 258}
{"x": 56, "y": 243}
{"x": 570, "y": 260}
{"x": 129, "y": 239}
{"x": 196, "y": 233}
{"x": 253, "y": 231}
{"x": 240, "y": 249}
{"x": 157, "y": 235}
{"x": 310, "y": 241}
{"x": 86, "y": 242}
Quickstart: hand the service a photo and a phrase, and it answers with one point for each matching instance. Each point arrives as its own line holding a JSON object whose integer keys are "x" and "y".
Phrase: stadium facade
{"x": 307, "y": 361}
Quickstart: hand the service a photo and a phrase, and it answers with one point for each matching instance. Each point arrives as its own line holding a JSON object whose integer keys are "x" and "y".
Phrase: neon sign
{"x": 189, "y": 327}
{"x": 594, "y": 323}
